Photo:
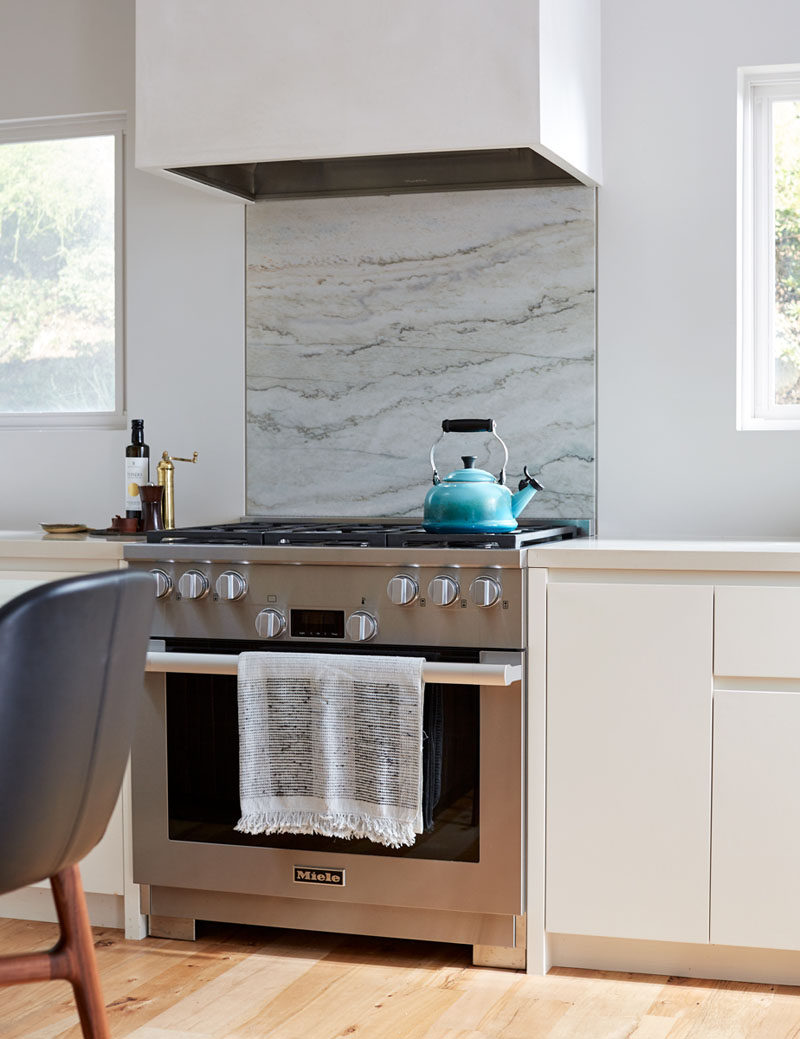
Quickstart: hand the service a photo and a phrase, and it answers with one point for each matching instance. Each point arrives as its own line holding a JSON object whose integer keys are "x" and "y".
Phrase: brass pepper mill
{"x": 166, "y": 478}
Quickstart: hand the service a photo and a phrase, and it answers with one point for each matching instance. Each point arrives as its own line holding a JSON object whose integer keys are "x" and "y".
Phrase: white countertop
{"x": 35, "y": 544}
{"x": 767, "y": 554}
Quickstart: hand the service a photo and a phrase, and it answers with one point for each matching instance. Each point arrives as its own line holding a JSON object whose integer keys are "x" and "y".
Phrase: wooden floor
{"x": 254, "y": 983}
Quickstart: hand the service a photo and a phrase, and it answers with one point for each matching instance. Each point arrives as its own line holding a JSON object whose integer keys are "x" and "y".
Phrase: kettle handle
{"x": 470, "y": 425}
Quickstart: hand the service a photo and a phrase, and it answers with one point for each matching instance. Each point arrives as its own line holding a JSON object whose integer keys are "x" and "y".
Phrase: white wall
{"x": 670, "y": 461}
{"x": 185, "y": 294}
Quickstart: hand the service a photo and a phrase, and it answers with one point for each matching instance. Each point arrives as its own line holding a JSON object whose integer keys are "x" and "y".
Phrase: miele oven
{"x": 463, "y": 878}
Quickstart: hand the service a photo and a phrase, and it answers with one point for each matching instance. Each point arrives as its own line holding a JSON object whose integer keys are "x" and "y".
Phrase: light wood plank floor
{"x": 259, "y": 983}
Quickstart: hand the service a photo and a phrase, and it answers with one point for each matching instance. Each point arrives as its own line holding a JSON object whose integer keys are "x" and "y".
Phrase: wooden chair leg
{"x": 27, "y": 966}
{"x": 75, "y": 950}
{"x": 71, "y": 958}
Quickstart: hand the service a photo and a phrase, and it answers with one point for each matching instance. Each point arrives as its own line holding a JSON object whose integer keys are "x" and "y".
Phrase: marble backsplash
{"x": 371, "y": 319}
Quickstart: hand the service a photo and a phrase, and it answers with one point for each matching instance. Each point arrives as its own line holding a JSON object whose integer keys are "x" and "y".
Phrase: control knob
{"x": 443, "y": 590}
{"x": 270, "y": 624}
{"x": 361, "y": 626}
{"x": 485, "y": 591}
{"x": 193, "y": 585}
{"x": 402, "y": 590}
{"x": 230, "y": 586}
{"x": 163, "y": 583}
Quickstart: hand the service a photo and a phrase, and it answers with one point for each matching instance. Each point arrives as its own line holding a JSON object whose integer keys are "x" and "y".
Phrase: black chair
{"x": 72, "y": 656}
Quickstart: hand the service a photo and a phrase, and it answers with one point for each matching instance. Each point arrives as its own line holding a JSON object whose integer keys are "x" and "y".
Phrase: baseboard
{"x": 718, "y": 962}
{"x": 36, "y": 903}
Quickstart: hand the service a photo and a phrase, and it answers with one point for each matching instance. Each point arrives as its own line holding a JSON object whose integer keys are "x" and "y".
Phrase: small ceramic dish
{"x": 111, "y": 532}
{"x": 64, "y": 528}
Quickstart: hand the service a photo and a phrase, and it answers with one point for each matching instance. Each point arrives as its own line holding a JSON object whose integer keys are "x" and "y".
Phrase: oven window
{"x": 203, "y": 773}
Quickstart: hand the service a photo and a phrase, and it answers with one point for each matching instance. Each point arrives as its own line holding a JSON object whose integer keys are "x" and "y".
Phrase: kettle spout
{"x": 527, "y": 488}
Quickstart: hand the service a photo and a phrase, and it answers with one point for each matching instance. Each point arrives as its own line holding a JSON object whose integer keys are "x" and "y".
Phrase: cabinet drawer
{"x": 756, "y": 631}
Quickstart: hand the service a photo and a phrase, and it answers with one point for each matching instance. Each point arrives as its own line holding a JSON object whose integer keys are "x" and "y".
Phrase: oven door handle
{"x": 446, "y": 674}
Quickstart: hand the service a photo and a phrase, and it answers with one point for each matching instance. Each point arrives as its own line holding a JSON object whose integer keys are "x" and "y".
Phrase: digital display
{"x": 317, "y": 624}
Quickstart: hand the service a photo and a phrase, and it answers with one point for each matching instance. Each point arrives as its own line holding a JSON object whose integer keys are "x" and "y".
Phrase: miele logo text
{"x": 310, "y": 875}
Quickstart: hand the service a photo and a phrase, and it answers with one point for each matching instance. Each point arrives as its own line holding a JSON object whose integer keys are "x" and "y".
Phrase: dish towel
{"x": 332, "y": 745}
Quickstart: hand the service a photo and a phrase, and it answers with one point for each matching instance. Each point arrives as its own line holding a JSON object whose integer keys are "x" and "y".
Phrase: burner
{"x": 223, "y": 534}
{"x": 367, "y": 535}
{"x": 526, "y": 534}
{"x": 353, "y": 534}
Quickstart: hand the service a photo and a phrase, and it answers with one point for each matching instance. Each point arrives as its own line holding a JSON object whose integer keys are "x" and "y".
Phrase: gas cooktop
{"x": 363, "y": 534}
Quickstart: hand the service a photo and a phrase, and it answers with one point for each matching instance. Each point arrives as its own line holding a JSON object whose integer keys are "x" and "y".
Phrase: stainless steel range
{"x": 332, "y": 587}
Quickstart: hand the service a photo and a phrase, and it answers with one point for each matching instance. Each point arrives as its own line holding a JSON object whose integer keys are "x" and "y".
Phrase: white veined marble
{"x": 371, "y": 319}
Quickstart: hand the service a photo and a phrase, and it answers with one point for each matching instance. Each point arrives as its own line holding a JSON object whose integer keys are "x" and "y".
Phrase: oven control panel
{"x": 411, "y": 605}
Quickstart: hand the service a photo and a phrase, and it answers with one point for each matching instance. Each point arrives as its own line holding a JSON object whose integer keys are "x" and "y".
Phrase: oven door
{"x": 185, "y": 794}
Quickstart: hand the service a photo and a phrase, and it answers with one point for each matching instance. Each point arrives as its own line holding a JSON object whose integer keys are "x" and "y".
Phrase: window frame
{"x": 759, "y": 86}
{"x": 101, "y": 124}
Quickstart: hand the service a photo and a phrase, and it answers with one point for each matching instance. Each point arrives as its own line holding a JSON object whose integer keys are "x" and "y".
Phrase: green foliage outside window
{"x": 57, "y": 277}
{"x": 786, "y": 135}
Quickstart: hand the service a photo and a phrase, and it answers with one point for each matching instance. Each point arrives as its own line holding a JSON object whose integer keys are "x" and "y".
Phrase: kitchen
{"x": 665, "y": 287}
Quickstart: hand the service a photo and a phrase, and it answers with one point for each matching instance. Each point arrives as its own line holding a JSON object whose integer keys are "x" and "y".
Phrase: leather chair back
{"x": 72, "y": 657}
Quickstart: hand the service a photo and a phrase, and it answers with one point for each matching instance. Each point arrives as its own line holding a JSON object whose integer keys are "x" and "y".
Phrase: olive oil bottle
{"x": 137, "y": 469}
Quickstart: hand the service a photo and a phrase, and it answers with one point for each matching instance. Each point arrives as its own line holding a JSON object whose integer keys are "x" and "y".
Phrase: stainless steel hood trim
{"x": 381, "y": 174}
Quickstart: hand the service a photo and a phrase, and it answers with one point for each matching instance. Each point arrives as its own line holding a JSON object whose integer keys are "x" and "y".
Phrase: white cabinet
{"x": 253, "y": 81}
{"x": 103, "y": 868}
{"x": 755, "y": 862}
{"x": 757, "y": 630}
{"x": 755, "y": 849}
{"x": 672, "y": 695}
{"x": 15, "y": 582}
{"x": 629, "y": 702}
{"x": 25, "y": 562}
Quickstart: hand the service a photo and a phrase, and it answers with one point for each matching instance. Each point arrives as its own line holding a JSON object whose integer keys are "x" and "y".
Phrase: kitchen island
{"x": 664, "y": 726}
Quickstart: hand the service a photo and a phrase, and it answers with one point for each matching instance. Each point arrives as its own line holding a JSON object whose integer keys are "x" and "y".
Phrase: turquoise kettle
{"x": 471, "y": 499}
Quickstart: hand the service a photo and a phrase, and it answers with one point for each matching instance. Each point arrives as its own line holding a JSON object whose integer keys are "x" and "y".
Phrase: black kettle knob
{"x": 469, "y": 461}
{"x": 529, "y": 480}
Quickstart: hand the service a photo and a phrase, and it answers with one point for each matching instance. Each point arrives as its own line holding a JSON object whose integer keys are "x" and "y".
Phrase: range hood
{"x": 268, "y": 99}
{"x": 380, "y": 174}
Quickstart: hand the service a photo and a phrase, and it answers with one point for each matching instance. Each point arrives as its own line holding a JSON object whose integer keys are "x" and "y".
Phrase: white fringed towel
{"x": 331, "y": 744}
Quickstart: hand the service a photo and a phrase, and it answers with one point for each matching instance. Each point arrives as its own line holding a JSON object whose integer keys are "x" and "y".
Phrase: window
{"x": 769, "y": 248}
{"x": 61, "y": 354}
